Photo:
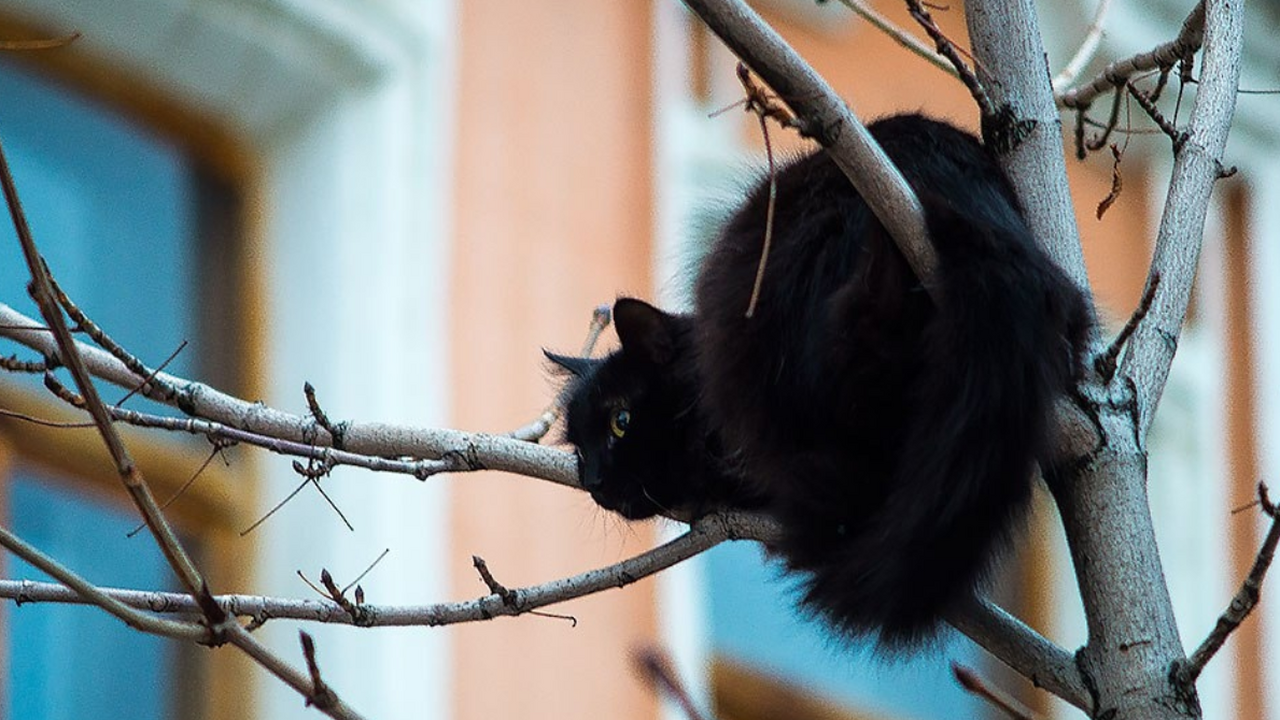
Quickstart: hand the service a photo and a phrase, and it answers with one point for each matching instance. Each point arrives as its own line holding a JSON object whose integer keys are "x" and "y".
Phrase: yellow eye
{"x": 619, "y": 421}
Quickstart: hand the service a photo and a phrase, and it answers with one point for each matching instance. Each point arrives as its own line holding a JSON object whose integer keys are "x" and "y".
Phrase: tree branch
{"x": 826, "y": 118}
{"x": 702, "y": 535}
{"x": 1196, "y": 169}
{"x": 1088, "y": 48}
{"x": 42, "y": 290}
{"x": 1027, "y": 137}
{"x": 1028, "y": 652}
{"x": 85, "y": 592}
{"x": 1161, "y": 57}
{"x": 464, "y": 451}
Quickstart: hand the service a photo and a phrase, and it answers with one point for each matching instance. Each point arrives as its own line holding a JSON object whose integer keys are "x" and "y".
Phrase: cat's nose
{"x": 588, "y": 472}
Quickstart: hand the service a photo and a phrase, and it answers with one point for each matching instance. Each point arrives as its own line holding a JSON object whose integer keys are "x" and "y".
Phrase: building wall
{"x": 553, "y": 217}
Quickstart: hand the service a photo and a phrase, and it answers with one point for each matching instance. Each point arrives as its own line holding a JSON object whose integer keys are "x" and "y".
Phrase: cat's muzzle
{"x": 588, "y": 472}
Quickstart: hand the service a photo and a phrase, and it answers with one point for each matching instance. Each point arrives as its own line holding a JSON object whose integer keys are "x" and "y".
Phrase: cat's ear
{"x": 644, "y": 330}
{"x": 575, "y": 366}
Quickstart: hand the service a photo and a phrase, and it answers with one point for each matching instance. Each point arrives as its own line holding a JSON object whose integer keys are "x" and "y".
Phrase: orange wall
{"x": 553, "y": 217}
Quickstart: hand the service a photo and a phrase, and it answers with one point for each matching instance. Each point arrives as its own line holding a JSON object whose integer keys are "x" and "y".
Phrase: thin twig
{"x": 145, "y": 375}
{"x": 1088, "y": 48}
{"x": 276, "y": 507}
{"x": 1242, "y": 604}
{"x": 538, "y": 428}
{"x": 899, "y": 35}
{"x": 41, "y": 289}
{"x": 302, "y": 682}
{"x": 1169, "y": 128}
{"x": 336, "y": 430}
{"x": 320, "y": 696}
{"x": 950, "y": 51}
{"x": 13, "y": 364}
{"x": 151, "y": 376}
{"x": 970, "y": 681}
{"x": 217, "y": 449}
{"x": 763, "y": 106}
{"x": 367, "y": 570}
{"x": 1105, "y": 363}
{"x": 657, "y": 670}
{"x": 42, "y": 44}
{"x": 1117, "y": 182}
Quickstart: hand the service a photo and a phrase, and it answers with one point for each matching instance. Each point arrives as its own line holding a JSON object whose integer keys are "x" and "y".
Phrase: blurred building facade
{"x": 402, "y": 203}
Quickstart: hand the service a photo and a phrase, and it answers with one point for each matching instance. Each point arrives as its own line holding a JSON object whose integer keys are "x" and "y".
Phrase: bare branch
{"x": 321, "y": 696}
{"x": 657, "y": 670}
{"x": 1026, "y": 131}
{"x": 1105, "y": 364}
{"x": 1197, "y": 167}
{"x": 704, "y": 534}
{"x": 1162, "y": 57}
{"x": 1028, "y": 652}
{"x": 970, "y": 681}
{"x": 899, "y": 35}
{"x": 85, "y": 592}
{"x": 334, "y": 707}
{"x": 42, "y": 290}
{"x": 541, "y": 425}
{"x": 460, "y": 451}
{"x": 1088, "y": 48}
{"x": 948, "y": 50}
{"x": 828, "y": 120}
{"x": 1241, "y": 605}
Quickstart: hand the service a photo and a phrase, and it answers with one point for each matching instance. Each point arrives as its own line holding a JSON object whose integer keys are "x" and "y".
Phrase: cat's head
{"x": 630, "y": 414}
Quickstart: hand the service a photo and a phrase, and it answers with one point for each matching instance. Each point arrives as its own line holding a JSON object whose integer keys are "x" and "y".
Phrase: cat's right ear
{"x": 644, "y": 330}
{"x": 575, "y": 366}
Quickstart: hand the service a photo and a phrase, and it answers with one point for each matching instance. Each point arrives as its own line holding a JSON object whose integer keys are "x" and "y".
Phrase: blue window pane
{"x": 111, "y": 208}
{"x": 754, "y": 621}
{"x": 69, "y": 662}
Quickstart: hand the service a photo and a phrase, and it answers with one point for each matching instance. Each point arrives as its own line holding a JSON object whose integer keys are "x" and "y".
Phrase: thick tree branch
{"x": 1197, "y": 167}
{"x": 1010, "y": 60}
{"x": 828, "y": 120}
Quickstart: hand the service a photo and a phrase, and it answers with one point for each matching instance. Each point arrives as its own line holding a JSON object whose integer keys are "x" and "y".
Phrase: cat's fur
{"x": 892, "y": 431}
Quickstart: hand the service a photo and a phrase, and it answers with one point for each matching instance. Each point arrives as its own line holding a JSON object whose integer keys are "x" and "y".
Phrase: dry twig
{"x": 1161, "y": 58}
{"x": 1241, "y": 605}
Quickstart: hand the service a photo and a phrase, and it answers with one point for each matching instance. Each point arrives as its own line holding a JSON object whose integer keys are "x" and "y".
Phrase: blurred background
{"x": 402, "y": 202}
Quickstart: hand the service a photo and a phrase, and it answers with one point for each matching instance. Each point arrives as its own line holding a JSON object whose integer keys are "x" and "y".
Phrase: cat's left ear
{"x": 644, "y": 330}
{"x": 575, "y": 366}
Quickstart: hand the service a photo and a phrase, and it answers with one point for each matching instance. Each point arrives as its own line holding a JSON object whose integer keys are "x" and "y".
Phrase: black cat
{"x": 643, "y": 447}
{"x": 892, "y": 431}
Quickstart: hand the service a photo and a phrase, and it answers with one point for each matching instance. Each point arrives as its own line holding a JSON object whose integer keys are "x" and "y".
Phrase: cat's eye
{"x": 619, "y": 421}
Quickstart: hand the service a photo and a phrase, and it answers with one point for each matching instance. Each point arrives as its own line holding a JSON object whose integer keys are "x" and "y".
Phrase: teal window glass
{"x": 754, "y": 621}
{"x": 114, "y": 210}
{"x": 74, "y": 661}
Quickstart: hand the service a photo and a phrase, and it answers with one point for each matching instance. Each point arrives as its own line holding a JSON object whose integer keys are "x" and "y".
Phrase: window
{"x": 143, "y": 234}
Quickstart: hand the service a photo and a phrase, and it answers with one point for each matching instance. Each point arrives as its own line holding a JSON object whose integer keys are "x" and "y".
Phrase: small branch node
{"x": 1105, "y": 364}
{"x": 337, "y": 431}
{"x": 320, "y": 697}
